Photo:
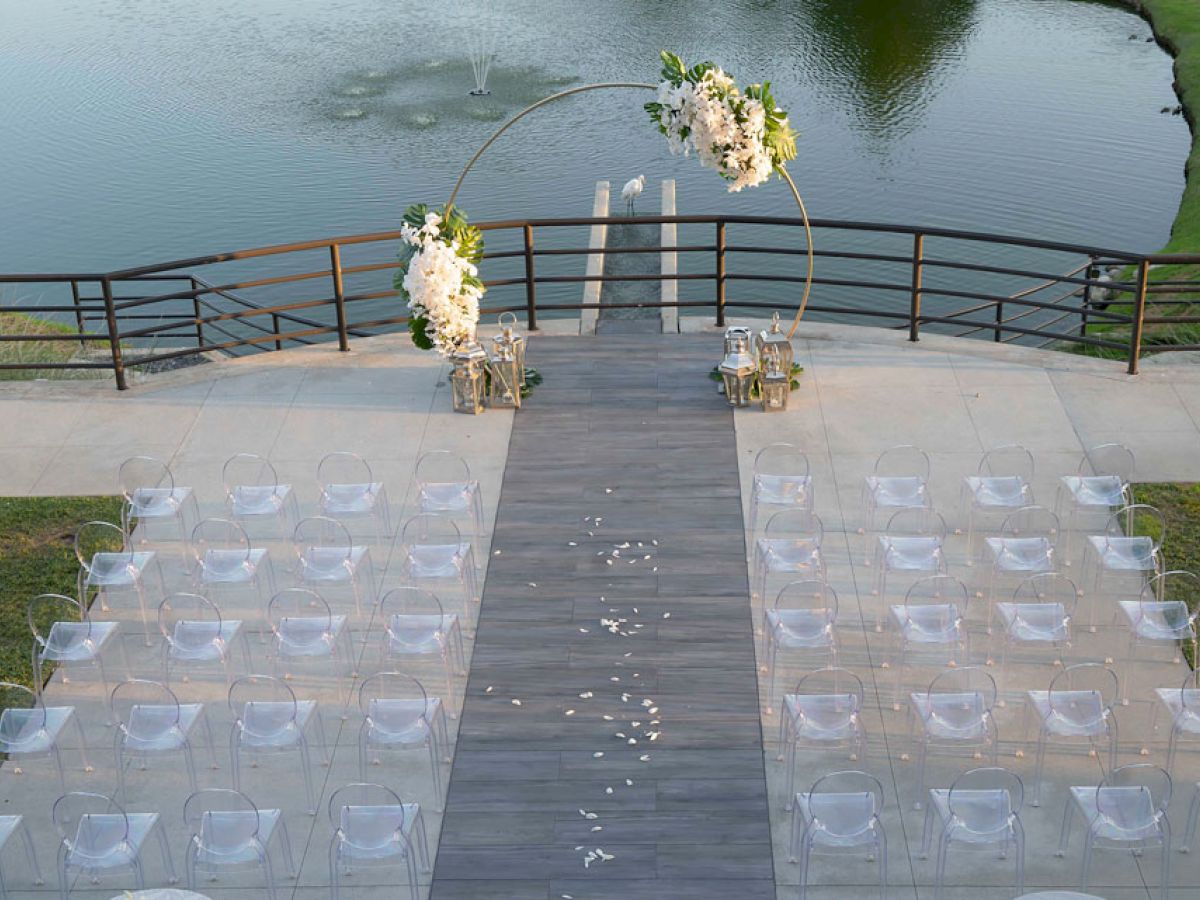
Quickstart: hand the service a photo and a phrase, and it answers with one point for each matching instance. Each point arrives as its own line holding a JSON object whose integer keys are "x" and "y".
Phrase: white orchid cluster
{"x": 439, "y": 278}
{"x": 744, "y": 136}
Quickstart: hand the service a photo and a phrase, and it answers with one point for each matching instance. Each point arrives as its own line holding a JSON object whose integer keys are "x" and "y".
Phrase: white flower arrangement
{"x": 741, "y": 134}
{"x": 439, "y": 277}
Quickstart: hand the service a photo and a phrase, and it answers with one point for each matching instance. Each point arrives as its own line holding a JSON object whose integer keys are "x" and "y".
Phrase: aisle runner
{"x": 610, "y": 743}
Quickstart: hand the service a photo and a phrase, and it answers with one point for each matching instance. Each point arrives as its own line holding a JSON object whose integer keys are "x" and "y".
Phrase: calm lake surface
{"x": 138, "y": 131}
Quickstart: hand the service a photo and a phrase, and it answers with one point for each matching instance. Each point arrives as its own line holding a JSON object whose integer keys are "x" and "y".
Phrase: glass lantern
{"x": 504, "y": 392}
{"x": 774, "y": 391}
{"x": 509, "y": 338}
{"x": 737, "y": 371}
{"x": 774, "y": 366}
{"x": 734, "y": 334}
{"x": 467, "y": 377}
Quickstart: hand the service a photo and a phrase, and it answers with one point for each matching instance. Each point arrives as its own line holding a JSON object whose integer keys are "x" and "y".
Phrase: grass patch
{"x": 37, "y": 557}
{"x": 37, "y": 352}
{"x": 1180, "y": 506}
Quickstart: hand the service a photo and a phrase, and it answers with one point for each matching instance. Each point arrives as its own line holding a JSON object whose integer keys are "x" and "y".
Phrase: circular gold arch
{"x": 637, "y": 85}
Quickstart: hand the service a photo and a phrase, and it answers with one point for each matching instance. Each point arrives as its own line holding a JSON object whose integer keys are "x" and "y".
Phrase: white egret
{"x": 632, "y": 190}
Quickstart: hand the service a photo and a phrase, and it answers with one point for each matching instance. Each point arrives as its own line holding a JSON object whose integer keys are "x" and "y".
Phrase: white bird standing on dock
{"x": 632, "y": 190}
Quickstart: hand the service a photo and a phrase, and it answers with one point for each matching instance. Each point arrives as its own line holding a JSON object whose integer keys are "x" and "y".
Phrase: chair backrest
{"x": 222, "y": 822}
{"x": 973, "y": 685}
{"x": 984, "y": 801}
{"x": 300, "y": 618}
{"x": 220, "y": 546}
{"x": 846, "y": 804}
{"x": 834, "y": 682}
{"x": 916, "y": 521}
{"x": 442, "y": 467}
{"x": 1175, "y": 586}
{"x": 1046, "y": 589}
{"x": 140, "y": 473}
{"x": 796, "y": 523}
{"x": 938, "y": 590}
{"x": 189, "y": 621}
{"x": 1134, "y": 798}
{"x": 366, "y": 816}
{"x": 1138, "y": 519}
{"x": 903, "y": 460}
{"x": 276, "y": 709}
{"x": 781, "y": 459}
{"x": 1008, "y": 460}
{"x": 1108, "y": 459}
{"x": 248, "y": 470}
{"x": 410, "y": 614}
{"x": 1083, "y": 694}
{"x": 93, "y": 827}
{"x": 809, "y": 594}
{"x": 391, "y": 700}
{"x": 22, "y": 717}
{"x": 144, "y": 710}
{"x": 45, "y": 611}
{"x": 329, "y": 538}
{"x": 430, "y": 529}
{"x": 342, "y": 468}
{"x": 1029, "y": 522}
{"x": 1189, "y": 694}
{"x": 100, "y": 537}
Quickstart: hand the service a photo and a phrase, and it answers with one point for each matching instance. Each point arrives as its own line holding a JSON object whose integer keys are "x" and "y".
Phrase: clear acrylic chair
{"x": 1100, "y": 485}
{"x": 1128, "y": 810}
{"x": 152, "y": 722}
{"x": 326, "y": 556}
{"x": 415, "y": 625}
{"x": 10, "y": 825}
{"x": 108, "y": 564}
{"x": 269, "y": 720}
{"x": 899, "y": 480}
{"x": 253, "y": 492}
{"x": 31, "y": 730}
{"x": 1182, "y": 705}
{"x": 348, "y": 490}
{"x": 372, "y": 827}
{"x": 954, "y": 712}
{"x": 196, "y": 634}
{"x": 399, "y": 715}
{"x": 445, "y": 487}
{"x": 432, "y": 550}
{"x": 152, "y": 496}
{"x": 66, "y": 637}
{"x": 1077, "y": 705}
{"x": 979, "y": 811}
{"x": 912, "y": 545}
{"x": 790, "y": 546}
{"x": 1165, "y": 612}
{"x": 1189, "y": 832}
{"x": 780, "y": 479}
{"x": 839, "y": 814}
{"x": 223, "y": 559}
{"x": 1038, "y": 615}
{"x": 304, "y": 628}
{"x": 1026, "y": 545}
{"x": 823, "y": 712}
{"x": 1003, "y": 484}
{"x": 1121, "y": 551}
{"x": 932, "y": 621}
{"x": 99, "y": 838}
{"x": 229, "y": 833}
{"x": 803, "y": 619}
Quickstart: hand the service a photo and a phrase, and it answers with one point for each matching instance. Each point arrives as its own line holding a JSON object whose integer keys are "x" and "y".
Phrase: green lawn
{"x": 37, "y": 557}
{"x": 1180, "y": 506}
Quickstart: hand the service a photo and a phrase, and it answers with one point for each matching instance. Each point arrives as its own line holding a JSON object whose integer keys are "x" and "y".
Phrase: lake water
{"x": 138, "y": 131}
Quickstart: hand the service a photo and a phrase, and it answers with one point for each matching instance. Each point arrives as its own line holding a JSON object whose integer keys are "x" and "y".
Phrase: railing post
{"x": 720, "y": 273}
{"x": 114, "y": 334}
{"x": 275, "y": 328}
{"x": 1085, "y": 302}
{"x": 914, "y": 311}
{"x": 1139, "y": 316}
{"x": 196, "y": 311}
{"x": 339, "y": 299}
{"x": 999, "y": 321}
{"x": 530, "y": 281}
{"x": 78, "y": 312}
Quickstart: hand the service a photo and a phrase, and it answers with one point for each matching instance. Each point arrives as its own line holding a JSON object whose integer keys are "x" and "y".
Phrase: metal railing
{"x": 955, "y": 282}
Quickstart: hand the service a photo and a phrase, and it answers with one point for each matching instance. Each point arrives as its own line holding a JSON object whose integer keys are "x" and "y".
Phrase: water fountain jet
{"x": 481, "y": 46}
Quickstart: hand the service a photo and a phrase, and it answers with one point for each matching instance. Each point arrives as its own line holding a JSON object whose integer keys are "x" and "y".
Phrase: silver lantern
{"x": 509, "y": 338}
{"x": 773, "y": 391}
{"x": 734, "y": 334}
{"x": 738, "y": 370}
{"x": 774, "y": 366}
{"x": 467, "y": 378}
{"x": 505, "y": 389}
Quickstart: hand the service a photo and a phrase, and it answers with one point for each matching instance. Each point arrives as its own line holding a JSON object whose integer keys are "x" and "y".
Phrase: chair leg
{"x": 31, "y": 855}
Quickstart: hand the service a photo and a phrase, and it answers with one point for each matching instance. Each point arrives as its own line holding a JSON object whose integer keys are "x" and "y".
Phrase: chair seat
{"x": 239, "y": 821}
{"x": 436, "y": 560}
{"x": 932, "y": 623}
{"x": 148, "y": 719}
{"x": 400, "y": 723}
{"x": 1185, "y": 718}
{"x": 952, "y": 716}
{"x": 897, "y": 490}
{"x": 419, "y": 633}
{"x": 118, "y": 569}
{"x": 201, "y": 641}
{"x": 1159, "y": 621}
{"x": 916, "y": 553}
{"x": 331, "y": 564}
{"x": 1087, "y": 717}
{"x": 447, "y": 497}
{"x": 22, "y": 730}
{"x": 99, "y": 830}
{"x": 258, "y": 499}
{"x": 998, "y": 491}
{"x": 847, "y": 817}
{"x": 1014, "y": 554}
{"x": 1129, "y": 812}
{"x": 372, "y": 833}
{"x": 1095, "y": 490}
{"x": 269, "y": 724}
{"x": 822, "y": 717}
{"x": 231, "y": 566}
{"x": 988, "y": 811}
{"x": 76, "y": 641}
{"x": 1131, "y": 554}
{"x": 783, "y": 490}
{"x": 155, "y": 503}
{"x": 350, "y": 499}
{"x": 314, "y": 636}
{"x": 1034, "y": 621}
{"x": 800, "y": 627}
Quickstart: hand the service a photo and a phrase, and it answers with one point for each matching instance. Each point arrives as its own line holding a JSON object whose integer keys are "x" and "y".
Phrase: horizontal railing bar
{"x": 71, "y": 337}
{"x": 15, "y": 367}
{"x": 1072, "y": 338}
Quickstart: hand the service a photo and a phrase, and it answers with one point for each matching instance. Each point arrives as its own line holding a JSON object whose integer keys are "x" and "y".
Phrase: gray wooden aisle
{"x": 616, "y": 613}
